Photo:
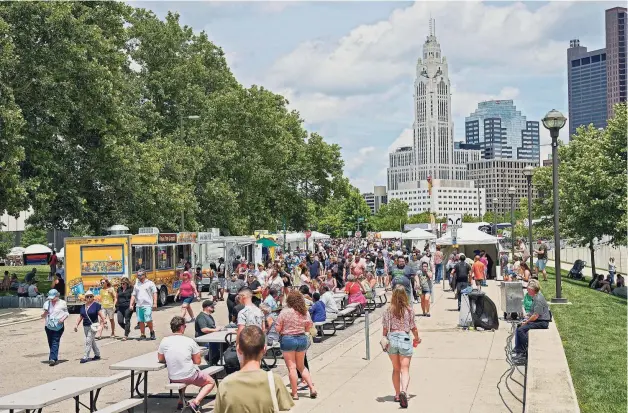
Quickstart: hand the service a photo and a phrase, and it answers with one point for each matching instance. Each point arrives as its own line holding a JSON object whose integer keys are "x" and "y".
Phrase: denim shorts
{"x": 187, "y": 300}
{"x": 379, "y": 272}
{"x": 541, "y": 263}
{"x": 294, "y": 343}
{"x": 400, "y": 343}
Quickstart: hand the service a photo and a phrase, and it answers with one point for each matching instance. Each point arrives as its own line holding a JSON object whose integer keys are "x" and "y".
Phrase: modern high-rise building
{"x": 376, "y": 199}
{"x": 615, "y": 57}
{"x": 432, "y": 155}
{"x": 587, "y": 86}
{"x": 502, "y": 132}
{"x": 495, "y": 176}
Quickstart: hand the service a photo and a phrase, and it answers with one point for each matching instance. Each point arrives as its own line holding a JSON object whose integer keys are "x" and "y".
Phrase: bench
{"x": 548, "y": 385}
{"x": 180, "y": 387}
{"x": 127, "y": 405}
{"x": 320, "y": 327}
{"x": 347, "y": 313}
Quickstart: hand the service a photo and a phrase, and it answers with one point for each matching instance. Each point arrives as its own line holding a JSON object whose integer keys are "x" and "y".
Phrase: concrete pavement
{"x": 452, "y": 370}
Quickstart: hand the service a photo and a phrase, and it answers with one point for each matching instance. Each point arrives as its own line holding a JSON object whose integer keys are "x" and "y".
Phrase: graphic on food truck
{"x": 106, "y": 260}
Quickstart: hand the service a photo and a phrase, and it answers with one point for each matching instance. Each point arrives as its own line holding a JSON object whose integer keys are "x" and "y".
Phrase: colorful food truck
{"x": 90, "y": 259}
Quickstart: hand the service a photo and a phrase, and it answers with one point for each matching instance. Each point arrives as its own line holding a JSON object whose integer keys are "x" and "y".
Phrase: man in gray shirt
{"x": 539, "y": 319}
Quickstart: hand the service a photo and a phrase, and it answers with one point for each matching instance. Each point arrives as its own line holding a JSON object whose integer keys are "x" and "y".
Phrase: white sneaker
{"x": 415, "y": 301}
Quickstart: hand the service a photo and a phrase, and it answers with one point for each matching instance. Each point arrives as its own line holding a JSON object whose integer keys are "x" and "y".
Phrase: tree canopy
{"x": 110, "y": 115}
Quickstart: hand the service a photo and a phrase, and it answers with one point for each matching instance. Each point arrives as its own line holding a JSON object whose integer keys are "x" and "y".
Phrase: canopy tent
{"x": 267, "y": 242}
{"x": 318, "y": 235}
{"x": 61, "y": 254}
{"x": 389, "y": 234}
{"x": 418, "y": 234}
{"x": 470, "y": 239}
{"x": 37, "y": 249}
{"x": 16, "y": 252}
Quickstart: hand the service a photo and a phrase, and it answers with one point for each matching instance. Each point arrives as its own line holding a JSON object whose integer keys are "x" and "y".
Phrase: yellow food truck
{"x": 90, "y": 259}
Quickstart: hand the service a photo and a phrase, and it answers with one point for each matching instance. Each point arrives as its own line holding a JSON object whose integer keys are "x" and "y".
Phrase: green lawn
{"x": 593, "y": 332}
{"x": 43, "y": 285}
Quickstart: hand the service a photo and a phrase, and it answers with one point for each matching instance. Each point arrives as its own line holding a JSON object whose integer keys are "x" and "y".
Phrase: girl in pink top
{"x": 188, "y": 292}
{"x": 293, "y": 323}
{"x": 355, "y": 291}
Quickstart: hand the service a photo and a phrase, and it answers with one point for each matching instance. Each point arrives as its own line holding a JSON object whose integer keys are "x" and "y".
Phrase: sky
{"x": 349, "y": 67}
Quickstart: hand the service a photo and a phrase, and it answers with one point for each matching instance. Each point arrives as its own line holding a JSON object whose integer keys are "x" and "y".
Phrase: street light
{"x": 554, "y": 121}
{"x": 181, "y": 119}
{"x": 495, "y": 201}
{"x": 528, "y": 171}
{"x": 511, "y": 193}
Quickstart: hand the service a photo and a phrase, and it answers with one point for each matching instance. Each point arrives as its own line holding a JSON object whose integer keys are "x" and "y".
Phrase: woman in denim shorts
{"x": 397, "y": 323}
{"x": 292, "y": 324}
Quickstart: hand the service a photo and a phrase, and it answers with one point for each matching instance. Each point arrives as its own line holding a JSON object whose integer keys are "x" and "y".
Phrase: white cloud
{"x": 404, "y": 139}
{"x": 356, "y": 160}
{"x": 477, "y": 34}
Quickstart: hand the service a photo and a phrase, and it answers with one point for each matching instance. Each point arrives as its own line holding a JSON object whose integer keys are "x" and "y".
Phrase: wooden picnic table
{"x": 141, "y": 364}
{"x": 37, "y": 398}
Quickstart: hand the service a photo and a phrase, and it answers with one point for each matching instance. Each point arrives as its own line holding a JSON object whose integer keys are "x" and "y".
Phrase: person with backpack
{"x": 462, "y": 273}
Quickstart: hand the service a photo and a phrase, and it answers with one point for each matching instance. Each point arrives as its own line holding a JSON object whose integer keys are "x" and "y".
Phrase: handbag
{"x": 384, "y": 342}
{"x": 93, "y": 326}
{"x": 273, "y": 393}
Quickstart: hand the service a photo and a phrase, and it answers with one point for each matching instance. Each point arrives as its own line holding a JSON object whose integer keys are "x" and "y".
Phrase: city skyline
{"x": 351, "y": 78}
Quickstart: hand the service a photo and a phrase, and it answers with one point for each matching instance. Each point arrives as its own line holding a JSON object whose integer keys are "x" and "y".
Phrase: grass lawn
{"x": 43, "y": 285}
{"x": 593, "y": 332}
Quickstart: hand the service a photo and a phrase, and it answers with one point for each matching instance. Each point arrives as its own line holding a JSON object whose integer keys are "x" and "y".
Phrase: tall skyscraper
{"x": 502, "y": 132}
{"x": 586, "y": 84}
{"x": 433, "y": 127}
{"x": 615, "y": 57}
{"x": 432, "y": 175}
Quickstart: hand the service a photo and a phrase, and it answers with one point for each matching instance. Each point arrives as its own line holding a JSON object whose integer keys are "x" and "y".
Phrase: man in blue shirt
{"x": 315, "y": 268}
{"x": 317, "y": 310}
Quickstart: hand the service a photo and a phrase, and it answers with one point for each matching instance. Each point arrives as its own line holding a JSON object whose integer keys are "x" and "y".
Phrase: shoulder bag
{"x": 93, "y": 326}
{"x": 384, "y": 340}
{"x": 273, "y": 392}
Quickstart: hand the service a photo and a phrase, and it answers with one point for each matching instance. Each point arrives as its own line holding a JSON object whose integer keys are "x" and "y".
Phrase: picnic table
{"x": 141, "y": 364}
{"x": 37, "y": 398}
{"x": 219, "y": 337}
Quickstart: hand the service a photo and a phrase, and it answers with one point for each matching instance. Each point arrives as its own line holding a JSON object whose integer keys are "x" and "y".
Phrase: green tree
{"x": 592, "y": 190}
{"x": 392, "y": 216}
{"x": 33, "y": 235}
{"x": 7, "y": 241}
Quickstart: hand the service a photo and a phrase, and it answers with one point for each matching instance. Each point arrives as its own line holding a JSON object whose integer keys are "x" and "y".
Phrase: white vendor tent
{"x": 61, "y": 254}
{"x": 389, "y": 234}
{"x": 469, "y": 239}
{"x": 37, "y": 249}
{"x": 418, "y": 234}
{"x": 318, "y": 235}
{"x": 16, "y": 252}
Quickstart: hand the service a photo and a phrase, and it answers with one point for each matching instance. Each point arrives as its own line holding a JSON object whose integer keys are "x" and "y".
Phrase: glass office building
{"x": 502, "y": 132}
{"x": 586, "y": 77}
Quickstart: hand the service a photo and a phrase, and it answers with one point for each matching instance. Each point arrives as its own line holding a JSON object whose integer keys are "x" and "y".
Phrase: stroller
{"x": 576, "y": 271}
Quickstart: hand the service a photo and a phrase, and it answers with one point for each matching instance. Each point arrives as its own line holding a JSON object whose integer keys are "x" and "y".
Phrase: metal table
{"x": 37, "y": 398}
{"x": 218, "y": 337}
{"x": 141, "y": 364}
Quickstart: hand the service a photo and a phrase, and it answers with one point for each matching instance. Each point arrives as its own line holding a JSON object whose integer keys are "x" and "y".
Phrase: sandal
{"x": 295, "y": 397}
{"x": 313, "y": 395}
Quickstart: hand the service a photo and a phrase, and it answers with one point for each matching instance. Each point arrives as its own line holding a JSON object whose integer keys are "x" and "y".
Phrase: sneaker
{"x": 52, "y": 363}
{"x": 142, "y": 338}
{"x": 95, "y": 358}
{"x": 194, "y": 407}
{"x": 152, "y": 335}
{"x": 403, "y": 400}
{"x": 137, "y": 326}
{"x": 84, "y": 360}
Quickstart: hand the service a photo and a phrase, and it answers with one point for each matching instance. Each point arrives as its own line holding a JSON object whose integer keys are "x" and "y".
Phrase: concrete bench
{"x": 347, "y": 313}
{"x": 548, "y": 380}
{"x": 320, "y": 327}
{"x": 180, "y": 387}
{"x": 127, "y": 405}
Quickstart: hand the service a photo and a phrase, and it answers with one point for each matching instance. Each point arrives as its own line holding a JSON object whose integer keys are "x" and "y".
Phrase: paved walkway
{"x": 452, "y": 370}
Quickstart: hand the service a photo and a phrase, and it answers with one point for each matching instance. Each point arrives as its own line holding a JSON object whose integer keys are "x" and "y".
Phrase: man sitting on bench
{"x": 182, "y": 356}
{"x": 539, "y": 318}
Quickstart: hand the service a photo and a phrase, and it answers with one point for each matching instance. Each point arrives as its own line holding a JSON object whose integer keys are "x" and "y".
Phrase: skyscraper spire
{"x": 431, "y": 26}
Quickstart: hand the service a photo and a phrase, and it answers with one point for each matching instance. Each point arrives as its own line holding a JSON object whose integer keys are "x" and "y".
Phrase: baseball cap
{"x": 209, "y": 303}
{"x": 53, "y": 293}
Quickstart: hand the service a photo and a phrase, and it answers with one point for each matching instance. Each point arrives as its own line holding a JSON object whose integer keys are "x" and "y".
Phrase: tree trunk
{"x": 592, "y": 249}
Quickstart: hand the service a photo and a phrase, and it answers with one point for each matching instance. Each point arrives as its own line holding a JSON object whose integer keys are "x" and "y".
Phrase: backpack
{"x": 22, "y": 289}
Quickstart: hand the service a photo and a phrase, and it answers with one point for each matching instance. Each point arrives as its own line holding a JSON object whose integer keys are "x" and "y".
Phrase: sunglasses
{"x": 89, "y": 296}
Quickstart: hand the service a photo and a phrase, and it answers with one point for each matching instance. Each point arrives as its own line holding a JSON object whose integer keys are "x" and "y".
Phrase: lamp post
{"x": 511, "y": 193}
{"x": 495, "y": 201}
{"x": 554, "y": 121}
{"x": 181, "y": 119}
{"x": 528, "y": 171}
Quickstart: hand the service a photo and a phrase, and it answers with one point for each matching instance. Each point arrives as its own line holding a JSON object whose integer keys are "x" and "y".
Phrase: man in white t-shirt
{"x": 250, "y": 315}
{"x": 182, "y": 356}
{"x": 262, "y": 274}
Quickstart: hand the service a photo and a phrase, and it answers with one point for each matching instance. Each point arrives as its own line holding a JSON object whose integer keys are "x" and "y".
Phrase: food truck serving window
{"x": 143, "y": 258}
{"x": 164, "y": 257}
{"x": 184, "y": 254}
